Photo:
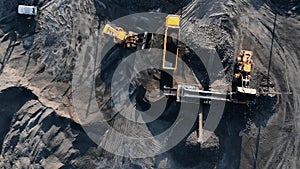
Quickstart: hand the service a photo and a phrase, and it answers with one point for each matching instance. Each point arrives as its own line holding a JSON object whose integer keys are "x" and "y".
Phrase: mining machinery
{"x": 242, "y": 72}
{"x": 171, "y": 41}
{"x": 128, "y": 39}
{"x": 190, "y": 93}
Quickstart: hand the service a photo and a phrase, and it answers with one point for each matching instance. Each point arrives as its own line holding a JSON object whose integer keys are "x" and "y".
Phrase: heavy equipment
{"x": 242, "y": 72}
{"x": 128, "y": 39}
{"x": 171, "y": 40}
{"x": 133, "y": 40}
{"x": 183, "y": 92}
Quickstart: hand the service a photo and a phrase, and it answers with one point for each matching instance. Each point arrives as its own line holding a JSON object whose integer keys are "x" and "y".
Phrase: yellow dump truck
{"x": 171, "y": 40}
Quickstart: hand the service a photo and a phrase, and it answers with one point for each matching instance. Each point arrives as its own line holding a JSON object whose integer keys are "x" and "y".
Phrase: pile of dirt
{"x": 34, "y": 136}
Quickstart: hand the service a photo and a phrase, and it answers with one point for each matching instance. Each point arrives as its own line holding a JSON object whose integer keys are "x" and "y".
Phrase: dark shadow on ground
{"x": 11, "y": 100}
{"x": 257, "y": 3}
{"x": 113, "y": 56}
{"x": 196, "y": 65}
{"x": 236, "y": 119}
{"x": 187, "y": 153}
{"x": 232, "y": 123}
{"x": 111, "y": 10}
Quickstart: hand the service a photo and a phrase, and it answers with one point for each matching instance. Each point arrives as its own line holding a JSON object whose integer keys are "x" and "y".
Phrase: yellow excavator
{"x": 133, "y": 40}
{"x": 128, "y": 39}
{"x": 243, "y": 69}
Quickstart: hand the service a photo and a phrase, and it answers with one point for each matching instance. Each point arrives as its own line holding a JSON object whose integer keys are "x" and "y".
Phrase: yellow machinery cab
{"x": 247, "y": 67}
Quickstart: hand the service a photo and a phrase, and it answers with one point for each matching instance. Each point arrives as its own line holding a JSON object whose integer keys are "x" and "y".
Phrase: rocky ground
{"x": 38, "y": 124}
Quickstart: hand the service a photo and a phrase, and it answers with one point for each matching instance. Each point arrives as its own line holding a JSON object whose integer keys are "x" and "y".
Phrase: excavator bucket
{"x": 170, "y": 54}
